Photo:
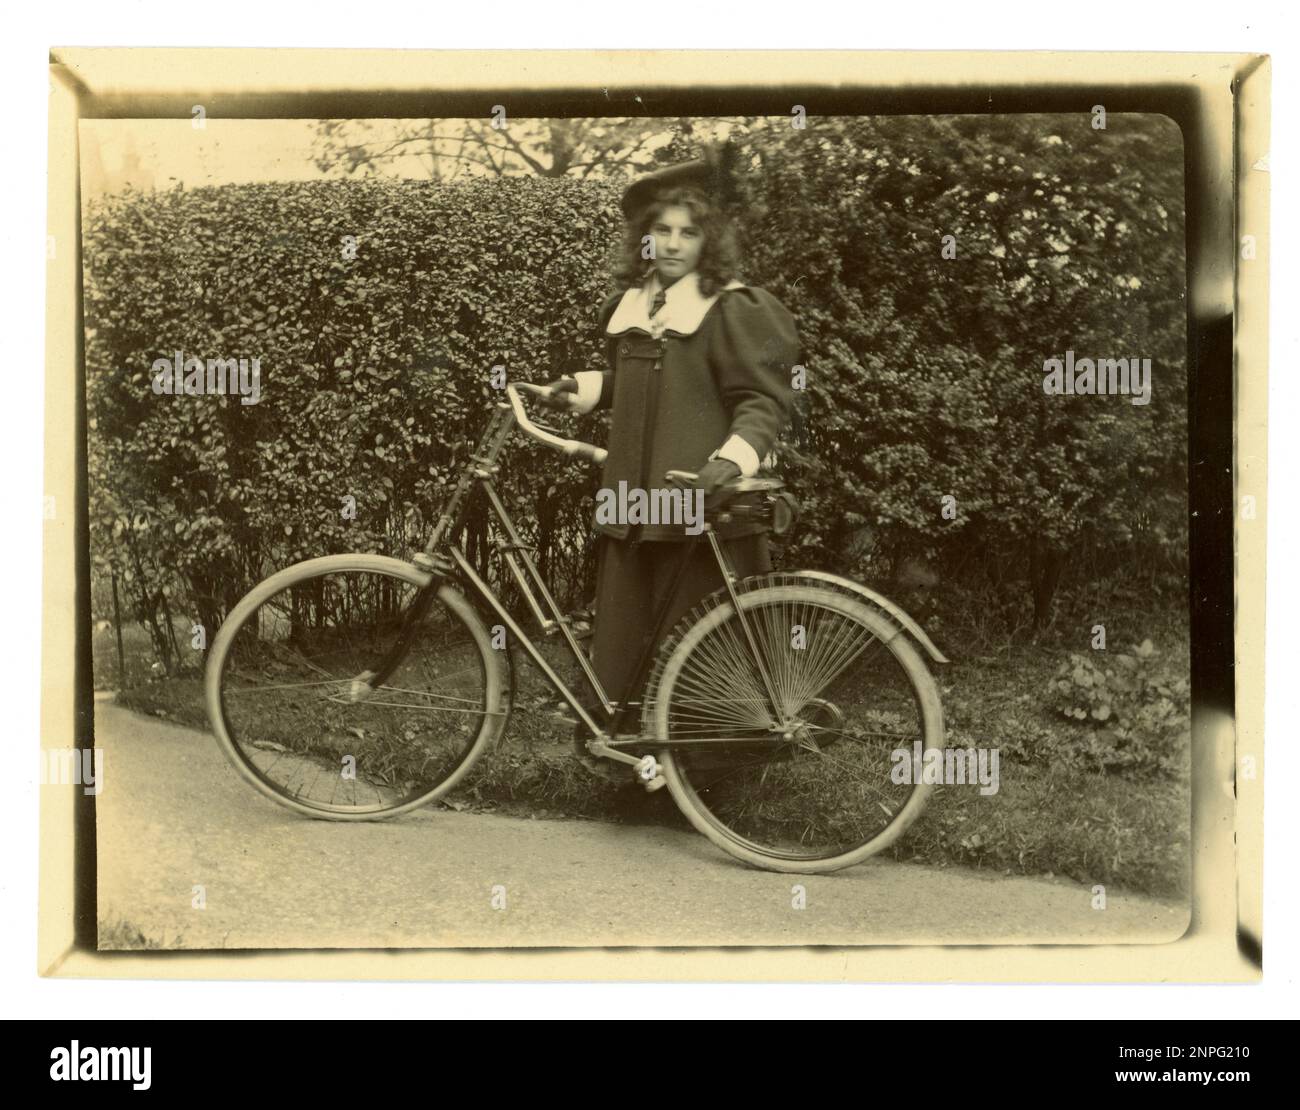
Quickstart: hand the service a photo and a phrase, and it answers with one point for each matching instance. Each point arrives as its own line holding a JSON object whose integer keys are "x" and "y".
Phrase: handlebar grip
{"x": 568, "y": 446}
{"x": 548, "y": 395}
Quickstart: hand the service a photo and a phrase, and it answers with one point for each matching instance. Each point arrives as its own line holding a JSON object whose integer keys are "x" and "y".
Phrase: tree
{"x": 443, "y": 149}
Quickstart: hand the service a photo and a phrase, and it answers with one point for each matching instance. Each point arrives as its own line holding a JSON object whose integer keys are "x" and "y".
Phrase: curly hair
{"x": 719, "y": 257}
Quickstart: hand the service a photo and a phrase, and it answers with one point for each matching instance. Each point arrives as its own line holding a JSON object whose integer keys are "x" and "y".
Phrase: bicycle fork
{"x": 365, "y": 684}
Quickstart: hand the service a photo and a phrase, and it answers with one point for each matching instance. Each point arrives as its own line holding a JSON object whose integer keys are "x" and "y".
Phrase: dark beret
{"x": 701, "y": 174}
{"x": 714, "y": 174}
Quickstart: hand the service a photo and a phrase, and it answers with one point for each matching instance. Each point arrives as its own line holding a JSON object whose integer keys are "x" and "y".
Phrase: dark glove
{"x": 562, "y": 392}
{"x": 715, "y": 474}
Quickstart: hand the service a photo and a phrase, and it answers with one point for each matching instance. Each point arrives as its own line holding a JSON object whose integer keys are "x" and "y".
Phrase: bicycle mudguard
{"x": 880, "y": 602}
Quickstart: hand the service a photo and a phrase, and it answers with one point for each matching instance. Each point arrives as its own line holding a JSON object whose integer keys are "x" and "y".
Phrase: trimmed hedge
{"x": 375, "y": 371}
{"x": 924, "y": 373}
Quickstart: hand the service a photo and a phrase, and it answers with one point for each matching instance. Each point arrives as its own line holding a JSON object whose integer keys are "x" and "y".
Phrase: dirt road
{"x": 173, "y": 816}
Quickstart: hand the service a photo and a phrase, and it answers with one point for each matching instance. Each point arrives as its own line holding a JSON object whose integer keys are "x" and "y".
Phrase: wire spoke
{"x": 823, "y": 785}
{"x": 296, "y": 702}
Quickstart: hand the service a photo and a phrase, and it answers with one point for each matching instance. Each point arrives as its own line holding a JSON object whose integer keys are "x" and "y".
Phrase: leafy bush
{"x": 1132, "y": 717}
{"x": 374, "y": 374}
{"x": 924, "y": 373}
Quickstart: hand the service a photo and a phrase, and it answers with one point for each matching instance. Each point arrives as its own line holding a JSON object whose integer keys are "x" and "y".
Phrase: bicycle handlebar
{"x": 588, "y": 451}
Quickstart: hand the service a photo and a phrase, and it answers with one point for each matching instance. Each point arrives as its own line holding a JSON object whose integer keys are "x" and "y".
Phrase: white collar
{"x": 684, "y": 307}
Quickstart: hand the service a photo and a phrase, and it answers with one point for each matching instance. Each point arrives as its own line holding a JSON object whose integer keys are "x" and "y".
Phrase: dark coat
{"x": 679, "y": 398}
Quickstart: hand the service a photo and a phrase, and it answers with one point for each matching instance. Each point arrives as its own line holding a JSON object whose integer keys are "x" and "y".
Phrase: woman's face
{"x": 678, "y": 242}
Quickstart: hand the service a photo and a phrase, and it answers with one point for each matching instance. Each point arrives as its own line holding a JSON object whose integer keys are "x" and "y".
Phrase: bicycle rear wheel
{"x": 293, "y": 700}
{"x": 811, "y": 787}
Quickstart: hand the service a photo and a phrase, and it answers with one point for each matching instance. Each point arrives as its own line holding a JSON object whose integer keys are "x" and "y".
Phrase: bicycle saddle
{"x": 735, "y": 486}
{"x": 776, "y": 508}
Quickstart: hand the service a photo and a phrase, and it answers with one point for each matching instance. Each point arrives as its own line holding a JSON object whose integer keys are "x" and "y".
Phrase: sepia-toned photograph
{"x": 621, "y": 526}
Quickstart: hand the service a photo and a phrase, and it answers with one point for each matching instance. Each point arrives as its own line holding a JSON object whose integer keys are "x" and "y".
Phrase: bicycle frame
{"x": 442, "y": 557}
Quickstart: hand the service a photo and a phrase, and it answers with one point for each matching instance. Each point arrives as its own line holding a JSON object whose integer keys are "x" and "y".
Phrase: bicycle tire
{"x": 661, "y": 713}
{"x": 255, "y": 739}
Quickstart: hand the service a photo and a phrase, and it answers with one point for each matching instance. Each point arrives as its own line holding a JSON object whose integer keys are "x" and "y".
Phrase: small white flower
{"x": 999, "y": 251}
{"x": 1052, "y": 140}
{"x": 1135, "y": 283}
{"x": 992, "y": 198}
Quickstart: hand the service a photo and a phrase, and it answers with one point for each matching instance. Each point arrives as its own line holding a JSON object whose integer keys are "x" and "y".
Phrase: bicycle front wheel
{"x": 294, "y": 698}
{"x": 812, "y": 783}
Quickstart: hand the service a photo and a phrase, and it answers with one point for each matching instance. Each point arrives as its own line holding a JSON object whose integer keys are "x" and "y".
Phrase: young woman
{"x": 699, "y": 380}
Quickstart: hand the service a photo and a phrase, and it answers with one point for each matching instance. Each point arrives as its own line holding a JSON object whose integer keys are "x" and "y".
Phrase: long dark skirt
{"x": 632, "y": 581}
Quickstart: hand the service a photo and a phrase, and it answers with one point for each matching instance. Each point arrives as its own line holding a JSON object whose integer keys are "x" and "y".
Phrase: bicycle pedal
{"x": 650, "y": 773}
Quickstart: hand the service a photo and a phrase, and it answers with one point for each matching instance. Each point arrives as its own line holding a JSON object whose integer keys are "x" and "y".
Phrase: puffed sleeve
{"x": 596, "y": 387}
{"x": 751, "y": 353}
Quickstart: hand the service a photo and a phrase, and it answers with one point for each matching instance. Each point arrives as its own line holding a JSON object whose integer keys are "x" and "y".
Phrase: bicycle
{"x": 356, "y": 687}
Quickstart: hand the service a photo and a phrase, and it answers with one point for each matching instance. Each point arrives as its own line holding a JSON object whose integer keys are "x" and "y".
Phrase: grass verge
{"x": 1048, "y": 817}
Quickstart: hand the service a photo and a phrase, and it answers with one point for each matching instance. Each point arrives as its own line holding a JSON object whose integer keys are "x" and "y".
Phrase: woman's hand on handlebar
{"x": 560, "y": 394}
